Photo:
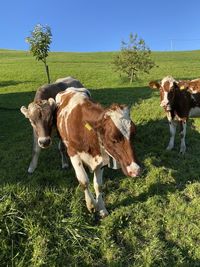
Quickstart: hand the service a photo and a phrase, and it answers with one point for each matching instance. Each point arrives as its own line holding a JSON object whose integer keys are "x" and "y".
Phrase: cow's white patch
{"x": 165, "y": 100}
{"x": 79, "y": 169}
{"x": 84, "y": 181}
{"x": 183, "y": 134}
{"x": 90, "y": 161}
{"x": 169, "y": 79}
{"x": 82, "y": 93}
{"x": 194, "y": 112}
{"x": 98, "y": 181}
{"x": 63, "y": 80}
{"x": 65, "y": 142}
{"x": 121, "y": 119}
{"x": 133, "y": 168}
{"x": 172, "y": 129}
{"x": 78, "y": 96}
{"x": 195, "y": 80}
{"x": 193, "y": 91}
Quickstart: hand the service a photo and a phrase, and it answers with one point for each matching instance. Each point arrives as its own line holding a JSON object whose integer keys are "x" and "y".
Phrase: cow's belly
{"x": 90, "y": 161}
{"x": 194, "y": 112}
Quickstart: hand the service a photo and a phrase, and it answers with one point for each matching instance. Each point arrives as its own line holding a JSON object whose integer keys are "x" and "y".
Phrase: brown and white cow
{"x": 41, "y": 116}
{"x": 179, "y": 103}
{"x": 193, "y": 86}
{"x": 92, "y": 136}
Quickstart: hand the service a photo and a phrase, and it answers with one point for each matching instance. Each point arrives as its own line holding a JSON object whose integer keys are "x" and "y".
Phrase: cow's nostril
{"x": 135, "y": 173}
{"x": 44, "y": 141}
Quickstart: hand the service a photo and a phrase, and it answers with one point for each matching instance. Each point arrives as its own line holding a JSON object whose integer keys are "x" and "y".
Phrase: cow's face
{"x": 40, "y": 114}
{"x": 116, "y": 134}
{"x": 167, "y": 87}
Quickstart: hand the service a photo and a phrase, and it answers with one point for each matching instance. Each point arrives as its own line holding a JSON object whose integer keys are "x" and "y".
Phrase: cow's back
{"x": 70, "y": 82}
{"x": 51, "y": 90}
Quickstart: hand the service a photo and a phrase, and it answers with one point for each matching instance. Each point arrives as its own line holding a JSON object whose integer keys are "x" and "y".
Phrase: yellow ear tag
{"x": 88, "y": 126}
{"x": 182, "y": 87}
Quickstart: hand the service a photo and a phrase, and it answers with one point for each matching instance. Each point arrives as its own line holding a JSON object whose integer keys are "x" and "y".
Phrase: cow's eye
{"x": 114, "y": 141}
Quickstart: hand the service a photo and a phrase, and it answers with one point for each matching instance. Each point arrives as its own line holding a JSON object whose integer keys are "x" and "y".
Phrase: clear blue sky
{"x": 101, "y": 25}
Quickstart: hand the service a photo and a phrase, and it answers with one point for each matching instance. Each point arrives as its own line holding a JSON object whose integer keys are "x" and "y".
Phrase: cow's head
{"x": 116, "y": 132}
{"x": 40, "y": 113}
{"x": 168, "y": 88}
{"x": 192, "y": 86}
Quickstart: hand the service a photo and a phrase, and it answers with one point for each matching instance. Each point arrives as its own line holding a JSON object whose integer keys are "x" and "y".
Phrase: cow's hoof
{"x": 65, "y": 166}
{"x": 103, "y": 213}
{"x": 182, "y": 151}
{"x": 92, "y": 208}
{"x": 30, "y": 170}
{"x": 169, "y": 148}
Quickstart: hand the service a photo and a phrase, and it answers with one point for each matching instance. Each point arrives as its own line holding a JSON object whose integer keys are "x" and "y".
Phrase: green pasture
{"x": 154, "y": 219}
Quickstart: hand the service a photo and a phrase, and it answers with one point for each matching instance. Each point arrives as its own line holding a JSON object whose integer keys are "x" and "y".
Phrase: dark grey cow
{"x": 41, "y": 116}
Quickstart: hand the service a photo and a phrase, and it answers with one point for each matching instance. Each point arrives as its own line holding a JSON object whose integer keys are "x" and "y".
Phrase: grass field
{"x": 154, "y": 219}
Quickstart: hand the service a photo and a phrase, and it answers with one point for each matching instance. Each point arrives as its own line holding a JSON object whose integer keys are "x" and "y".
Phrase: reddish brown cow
{"x": 193, "y": 86}
{"x": 92, "y": 136}
{"x": 179, "y": 102}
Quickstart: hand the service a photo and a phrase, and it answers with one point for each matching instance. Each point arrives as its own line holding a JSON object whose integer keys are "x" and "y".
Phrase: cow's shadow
{"x": 12, "y": 83}
{"x": 126, "y": 95}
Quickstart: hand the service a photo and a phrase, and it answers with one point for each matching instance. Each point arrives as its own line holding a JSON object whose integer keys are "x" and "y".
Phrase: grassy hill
{"x": 154, "y": 219}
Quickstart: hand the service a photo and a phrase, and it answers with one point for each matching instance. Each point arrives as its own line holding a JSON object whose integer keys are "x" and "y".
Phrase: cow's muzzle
{"x": 133, "y": 170}
{"x": 44, "y": 142}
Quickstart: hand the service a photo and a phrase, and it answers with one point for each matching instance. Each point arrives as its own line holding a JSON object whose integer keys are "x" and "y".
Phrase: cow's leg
{"x": 84, "y": 182}
{"x": 63, "y": 153}
{"x": 183, "y": 134}
{"x": 98, "y": 175}
{"x": 172, "y": 129}
{"x": 35, "y": 154}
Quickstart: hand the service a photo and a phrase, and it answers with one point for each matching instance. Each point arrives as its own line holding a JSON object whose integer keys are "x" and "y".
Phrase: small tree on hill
{"x": 40, "y": 41}
{"x": 133, "y": 58}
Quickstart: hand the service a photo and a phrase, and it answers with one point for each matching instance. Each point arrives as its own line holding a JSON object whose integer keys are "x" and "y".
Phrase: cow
{"x": 179, "y": 103}
{"x": 40, "y": 113}
{"x": 95, "y": 137}
{"x": 193, "y": 86}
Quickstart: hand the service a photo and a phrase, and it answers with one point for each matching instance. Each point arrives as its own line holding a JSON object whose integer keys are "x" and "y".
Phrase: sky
{"x": 101, "y": 25}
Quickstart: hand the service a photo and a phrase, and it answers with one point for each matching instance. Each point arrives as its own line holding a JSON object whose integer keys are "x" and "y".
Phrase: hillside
{"x": 154, "y": 219}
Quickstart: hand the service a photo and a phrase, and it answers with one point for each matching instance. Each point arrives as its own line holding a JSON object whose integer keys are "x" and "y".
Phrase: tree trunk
{"x": 47, "y": 72}
{"x": 131, "y": 79}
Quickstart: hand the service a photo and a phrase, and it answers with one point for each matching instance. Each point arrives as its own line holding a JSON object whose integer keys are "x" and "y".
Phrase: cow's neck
{"x": 183, "y": 104}
{"x": 93, "y": 114}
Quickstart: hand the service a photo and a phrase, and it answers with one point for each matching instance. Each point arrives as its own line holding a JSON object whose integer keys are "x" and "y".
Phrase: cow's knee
{"x": 84, "y": 184}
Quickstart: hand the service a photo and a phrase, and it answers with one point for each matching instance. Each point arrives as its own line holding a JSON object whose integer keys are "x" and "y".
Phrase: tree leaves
{"x": 133, "y": 58}
{"x": 40, "y": 41}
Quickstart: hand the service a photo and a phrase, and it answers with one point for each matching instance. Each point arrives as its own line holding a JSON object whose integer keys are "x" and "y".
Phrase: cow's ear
{"x": 183, "y": 84}
{"x": 24, "y": 111}
{"x": 52, "y": 103}
{"x": 154, "y": 85}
